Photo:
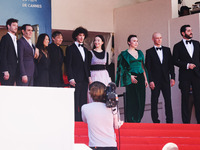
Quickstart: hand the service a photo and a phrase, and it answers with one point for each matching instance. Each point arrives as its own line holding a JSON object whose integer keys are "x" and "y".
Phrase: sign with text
{"x": 34, "y": 12}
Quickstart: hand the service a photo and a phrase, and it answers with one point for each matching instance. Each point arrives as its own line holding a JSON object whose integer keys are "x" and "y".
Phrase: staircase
{"x": 149, "y": 136}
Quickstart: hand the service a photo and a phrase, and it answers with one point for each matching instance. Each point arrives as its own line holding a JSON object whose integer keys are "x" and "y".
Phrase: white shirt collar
{"x": 12, "y": 35}
{"x": 77, "y": 43}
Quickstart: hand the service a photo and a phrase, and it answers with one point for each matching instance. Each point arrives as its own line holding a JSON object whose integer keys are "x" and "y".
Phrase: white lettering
{"x": 24, "y": 5}
{"x": 35, "y": 5}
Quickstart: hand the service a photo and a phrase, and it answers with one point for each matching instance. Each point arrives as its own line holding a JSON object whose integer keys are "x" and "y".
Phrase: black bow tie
{"x": 158, "y": 48}
{"x": 188, "y": 41}
{"x": 80, "y": 45}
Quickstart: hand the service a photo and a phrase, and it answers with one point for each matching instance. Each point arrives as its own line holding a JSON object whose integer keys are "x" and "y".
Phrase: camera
{"x": 111, "y": 97}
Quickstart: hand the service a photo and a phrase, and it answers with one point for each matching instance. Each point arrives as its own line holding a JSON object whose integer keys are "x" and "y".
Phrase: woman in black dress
{"x": 42, "y": 62}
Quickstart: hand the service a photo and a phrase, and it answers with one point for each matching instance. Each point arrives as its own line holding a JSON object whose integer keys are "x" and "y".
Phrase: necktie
{"x": 80, "y": 45}
{"x": 188, "y": 41}
{"x": 158, "y": 48}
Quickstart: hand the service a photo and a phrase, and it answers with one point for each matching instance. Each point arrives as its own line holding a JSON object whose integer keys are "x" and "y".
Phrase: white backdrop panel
{"x": 35, "y": 118}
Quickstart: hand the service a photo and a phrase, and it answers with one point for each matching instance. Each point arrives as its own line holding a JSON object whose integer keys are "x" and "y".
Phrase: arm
{"x": 176, "y": 58}
{"x": 89, "y": 65}
{"x": 20, "y": 48}
{"x": 3, "y": 57}
{"x": 69, "y": 57}
{"x": 83, "y": 114}
{"x": 171, "y": 69}
{"x": 148, "y": 65}
{"x": 117, "y": 123}
{"x": 144, "y": 69}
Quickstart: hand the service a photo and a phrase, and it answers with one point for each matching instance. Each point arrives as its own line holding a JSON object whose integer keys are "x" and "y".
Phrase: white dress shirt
{"x": 190, "y": 49}
{"x": 160, "y": 53}
{"x": 14, "y": 39}
{"x": 81, "y": 50}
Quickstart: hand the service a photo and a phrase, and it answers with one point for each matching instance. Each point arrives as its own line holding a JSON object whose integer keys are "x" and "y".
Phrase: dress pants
{"x": 163, "y": 86}
{"x": 185, "y": 86}
{"x": 80, "y": 98}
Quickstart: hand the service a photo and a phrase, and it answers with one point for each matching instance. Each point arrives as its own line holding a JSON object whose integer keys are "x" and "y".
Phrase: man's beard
{"x": 188, "y": 36}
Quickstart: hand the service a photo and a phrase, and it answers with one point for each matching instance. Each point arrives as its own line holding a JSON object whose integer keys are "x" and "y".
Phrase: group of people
{"x": 23, "y": 64}
{"x": 157, "y": 70}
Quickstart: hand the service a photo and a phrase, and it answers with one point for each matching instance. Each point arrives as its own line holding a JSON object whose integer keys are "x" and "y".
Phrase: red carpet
{"x": 149, "y": 136}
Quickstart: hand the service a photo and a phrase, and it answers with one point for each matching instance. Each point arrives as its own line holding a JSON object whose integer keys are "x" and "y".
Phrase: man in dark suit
{"x": 186, "y": 56}
{"x": 160, "y": 68}
{"x": 56, "y": 60}
{"x": 27, "y": 53}
{"x": 77, "y": 69}
{"x": 8, "y": 54}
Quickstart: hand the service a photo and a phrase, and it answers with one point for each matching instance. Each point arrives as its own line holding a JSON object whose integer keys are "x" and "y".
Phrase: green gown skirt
{"x": 135, "y": 100}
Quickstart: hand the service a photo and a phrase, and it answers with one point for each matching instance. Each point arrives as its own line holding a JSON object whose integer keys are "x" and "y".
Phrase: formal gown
{"x": 42, "y": 70}
{"x": 98, "y": 68}
{"x": 135, "y": 93}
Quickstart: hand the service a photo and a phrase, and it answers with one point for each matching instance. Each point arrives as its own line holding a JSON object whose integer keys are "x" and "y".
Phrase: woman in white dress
{"x": 99, "y": 62}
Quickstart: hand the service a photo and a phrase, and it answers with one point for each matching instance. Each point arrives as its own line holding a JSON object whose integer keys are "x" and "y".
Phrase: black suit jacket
{"x": 8, "y": 57}
{"x": 76, "y": 68}
{"x": 156, "y": 70}
{"x": 55, "y": 68}
{"x": 181, "y": 58}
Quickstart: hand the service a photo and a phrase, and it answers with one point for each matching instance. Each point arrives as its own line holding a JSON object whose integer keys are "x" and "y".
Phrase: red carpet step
{"x": 149, "y": 136}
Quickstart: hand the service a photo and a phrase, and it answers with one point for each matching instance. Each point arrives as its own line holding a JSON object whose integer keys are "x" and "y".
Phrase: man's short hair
{"x": 97, "y": 91}
{"x": 183, "y": 28}
{"x": 10, "y": 21}
{"x": 56, "y": 33}
{"x": 79, "y": 30}
{"x": 25, "y": 25}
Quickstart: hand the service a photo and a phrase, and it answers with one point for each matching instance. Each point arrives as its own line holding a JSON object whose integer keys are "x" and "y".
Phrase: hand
{"x": 172, "y": 82}
{"x": 6, "y": 75}
{"x": 152, "y": 85}
{"x": 36, "y": 53}
{"x": 24, "y": 79}
{"x": 146, "y": 83}
{"x": 133, "y": 79}
{"x": 72, "y": 82}
{"x": 90, "y": 80}
{"x": 120, "y": 123}
{"x": 192, "y": 66}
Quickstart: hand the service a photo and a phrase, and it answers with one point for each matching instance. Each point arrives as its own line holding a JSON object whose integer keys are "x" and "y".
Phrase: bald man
{"x": 161, "y": 74}
{"x": 170, "y": 146}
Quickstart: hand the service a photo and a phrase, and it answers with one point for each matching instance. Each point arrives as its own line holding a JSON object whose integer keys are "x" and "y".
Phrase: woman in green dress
{"x": 131, "y": 70}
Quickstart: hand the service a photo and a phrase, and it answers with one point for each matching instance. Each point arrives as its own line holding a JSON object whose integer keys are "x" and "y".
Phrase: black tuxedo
{"x": 8, "y": 59}
{"x": 78, "y": 70}
{"x": 55, "y": 69}
{"x": 160, "y": 74}
{"x": 188, "y": 78}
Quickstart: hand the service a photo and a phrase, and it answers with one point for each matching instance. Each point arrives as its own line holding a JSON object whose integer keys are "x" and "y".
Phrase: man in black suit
{"x": 56, "y": 60}
{"x": 160, "y": 68}
{"x": 27, "y": 54}
{"x": 77, "y": 69}
{"x": 8, "y": 54}
{"x": 186, "y": 56}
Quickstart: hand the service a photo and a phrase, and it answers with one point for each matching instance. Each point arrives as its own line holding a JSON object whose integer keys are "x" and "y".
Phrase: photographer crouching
{"x": 101, "y": 118}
